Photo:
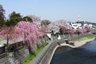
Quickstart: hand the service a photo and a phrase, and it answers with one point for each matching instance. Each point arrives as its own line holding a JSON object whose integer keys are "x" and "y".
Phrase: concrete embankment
{"x": 45, "y": 56}
{"x": 78, "y": 43}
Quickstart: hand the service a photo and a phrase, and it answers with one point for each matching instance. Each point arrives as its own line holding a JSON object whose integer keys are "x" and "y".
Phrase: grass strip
{"x": 31, "y": 56}
{"x": 85, "y": 37}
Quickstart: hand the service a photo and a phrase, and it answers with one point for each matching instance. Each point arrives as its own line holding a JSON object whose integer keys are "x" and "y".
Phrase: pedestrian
{"x": 66, "y": 40}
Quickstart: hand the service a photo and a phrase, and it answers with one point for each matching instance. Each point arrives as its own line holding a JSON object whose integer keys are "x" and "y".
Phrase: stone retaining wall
{"x": 18, "y": 55}
{"x": 21, "y": 53}
{"x": 50, "y": 51}
{"x": 14, "y": 57}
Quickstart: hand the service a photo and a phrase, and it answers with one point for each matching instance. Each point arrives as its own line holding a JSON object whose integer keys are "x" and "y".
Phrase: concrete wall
{"x": 14, "y": 57}
{"x": 18, "y": 55}
{"x": 52, "y": 47}
{"x": 4, "y": 59}
{"x": 21, "y": 53}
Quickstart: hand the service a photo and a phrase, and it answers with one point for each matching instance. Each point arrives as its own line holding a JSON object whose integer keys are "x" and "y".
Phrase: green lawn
{"x": 85, "y": 37}
{"x": 31, "y": 56}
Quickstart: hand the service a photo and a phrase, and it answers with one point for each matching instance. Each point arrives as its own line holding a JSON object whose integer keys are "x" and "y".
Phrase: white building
{"x": 81, "y": 25}
{"x": 75, "y": 25}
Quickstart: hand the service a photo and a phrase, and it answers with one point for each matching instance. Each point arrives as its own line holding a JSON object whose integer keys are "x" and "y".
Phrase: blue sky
{"x": 53, "y": 9}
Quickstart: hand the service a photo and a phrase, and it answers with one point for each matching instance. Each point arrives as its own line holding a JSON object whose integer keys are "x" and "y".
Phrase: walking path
{"x": 78, "y": 43}
{"x": 38, "y": 57}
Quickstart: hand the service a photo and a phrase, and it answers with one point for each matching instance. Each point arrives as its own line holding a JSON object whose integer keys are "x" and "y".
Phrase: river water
{"x": 83, "y": 55}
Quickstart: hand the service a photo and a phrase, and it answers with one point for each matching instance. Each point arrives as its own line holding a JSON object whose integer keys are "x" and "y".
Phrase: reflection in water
{"x": 83, "y": 55}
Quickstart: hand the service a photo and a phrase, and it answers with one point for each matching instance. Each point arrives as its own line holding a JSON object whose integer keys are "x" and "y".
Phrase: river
{"x": 83, "y": 55}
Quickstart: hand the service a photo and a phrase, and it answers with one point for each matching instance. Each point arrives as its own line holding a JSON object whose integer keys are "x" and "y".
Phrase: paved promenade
{"x": 37, "y": 59}
{"x": 77, "y": 43}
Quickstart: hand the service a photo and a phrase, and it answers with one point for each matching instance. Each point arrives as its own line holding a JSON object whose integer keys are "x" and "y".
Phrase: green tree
{"x": 2, "y": 11}
{"x": 2, "y": 22}
{"x": 14, "y": 18}
{"x": 45, "y": 22}
{"x": 9, "y": 23}
{"x": 27, "y": 18}
{"x": 2, "y": 17}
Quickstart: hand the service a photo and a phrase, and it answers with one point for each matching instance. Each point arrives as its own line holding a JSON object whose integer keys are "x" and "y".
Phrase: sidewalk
{"x": 39, "y": 56}
{"x": 78, "y": 43}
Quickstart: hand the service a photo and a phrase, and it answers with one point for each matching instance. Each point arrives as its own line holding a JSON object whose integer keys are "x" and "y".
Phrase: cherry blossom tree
{"x": 6, "y": 31}
{"x": 25, "y": 30}
{"x": 55, "y": 26}
{"x": 82, "y": 30}
{"x": 29, "y": 32}
{"x": 43, "y": 29}
{"x": 36, "y": 19}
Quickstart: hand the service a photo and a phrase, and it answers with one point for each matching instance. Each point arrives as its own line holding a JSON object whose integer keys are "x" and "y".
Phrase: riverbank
{"x": 46, "y": 55}
{"x": 85, "y": 54}
{"x": 78, "y": 43}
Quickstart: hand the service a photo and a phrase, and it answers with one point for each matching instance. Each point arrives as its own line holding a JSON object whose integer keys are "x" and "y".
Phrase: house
{"x": 75, "y": 25}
